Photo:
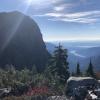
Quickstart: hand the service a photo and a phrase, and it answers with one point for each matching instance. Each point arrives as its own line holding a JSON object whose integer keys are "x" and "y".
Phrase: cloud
{"x": 62, "y": 7}
{"x": 78, "y": 20}
{"x": 41, "y": 2}
{"x": 78, "y": 17}
{"x": 56, "y": 1}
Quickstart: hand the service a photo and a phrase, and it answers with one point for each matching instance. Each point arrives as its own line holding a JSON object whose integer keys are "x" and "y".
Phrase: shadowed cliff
{"x": 21, "y": 42}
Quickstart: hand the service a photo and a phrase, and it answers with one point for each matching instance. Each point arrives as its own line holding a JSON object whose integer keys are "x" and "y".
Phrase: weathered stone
{"x": 57, "y": 98}
{"x": 75, "y": 82}
{"x": 78, "y": 86}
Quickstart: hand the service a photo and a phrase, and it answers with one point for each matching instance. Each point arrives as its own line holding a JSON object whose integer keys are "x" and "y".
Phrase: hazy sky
{"x": 61, "y": 19}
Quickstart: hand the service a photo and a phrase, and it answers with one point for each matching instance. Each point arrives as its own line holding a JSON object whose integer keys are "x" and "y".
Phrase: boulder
{"x": 57, "y": 98}
{"x": 4, "y": 92}
{"x": 75, "y": 82}
{"x": 79, "y": 86}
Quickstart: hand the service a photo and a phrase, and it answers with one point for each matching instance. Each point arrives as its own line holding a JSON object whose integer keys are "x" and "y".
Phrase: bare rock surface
{"x": 57, "y": 98}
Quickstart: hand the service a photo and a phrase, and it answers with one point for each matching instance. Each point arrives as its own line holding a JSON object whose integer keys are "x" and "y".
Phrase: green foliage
{"x": 10, "y": 76}
{"x": 78, "y": 72}
{"x": 58, "y": 64}
{"x": 73, "y": 74}
{"x": 24, "y": 97}
{"x": 54, "y": 76}
{"x": 90, "y": 71}
{"x": 34, "y": 70}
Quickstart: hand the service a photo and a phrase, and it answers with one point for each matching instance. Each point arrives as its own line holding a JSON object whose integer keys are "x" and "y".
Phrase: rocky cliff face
{"x": 21, "y": 42}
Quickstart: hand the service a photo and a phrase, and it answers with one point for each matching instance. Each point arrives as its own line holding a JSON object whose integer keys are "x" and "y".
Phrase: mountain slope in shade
{"x": 21, "y": 42}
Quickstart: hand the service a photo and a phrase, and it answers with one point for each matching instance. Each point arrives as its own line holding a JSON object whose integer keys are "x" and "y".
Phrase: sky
{"x": 60, "y": 19}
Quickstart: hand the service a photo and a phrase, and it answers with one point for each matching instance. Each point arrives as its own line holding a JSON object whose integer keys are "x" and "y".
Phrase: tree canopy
{"x": 59, "y": 64}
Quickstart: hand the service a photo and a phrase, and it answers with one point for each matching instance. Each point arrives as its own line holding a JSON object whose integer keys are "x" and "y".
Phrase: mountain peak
{"x": 21, "y": 42}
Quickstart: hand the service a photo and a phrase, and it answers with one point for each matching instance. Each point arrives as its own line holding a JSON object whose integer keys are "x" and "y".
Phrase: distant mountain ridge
{"x": 21, "y": 42}
{"x": 80, "y": 52}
